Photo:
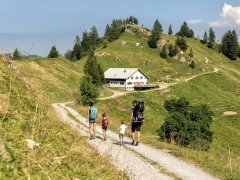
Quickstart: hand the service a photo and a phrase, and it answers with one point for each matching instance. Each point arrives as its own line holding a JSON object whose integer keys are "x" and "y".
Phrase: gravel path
{"x": 123, "y": 158}
{"x": 135, "y": 166}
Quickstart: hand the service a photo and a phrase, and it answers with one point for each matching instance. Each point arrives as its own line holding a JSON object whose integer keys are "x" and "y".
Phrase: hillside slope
{"x": 219, "y": 90}
{"x": 61, "y": 153}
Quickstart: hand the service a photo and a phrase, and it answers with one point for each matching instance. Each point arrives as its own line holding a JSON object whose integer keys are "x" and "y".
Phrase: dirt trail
{"x": 129, "y": 161}
{"x": 162, "y": 86}
{"x": 123, "y": 158}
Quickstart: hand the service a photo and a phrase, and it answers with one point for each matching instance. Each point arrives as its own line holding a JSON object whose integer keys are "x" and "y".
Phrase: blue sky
{"x": 35, "y": 25}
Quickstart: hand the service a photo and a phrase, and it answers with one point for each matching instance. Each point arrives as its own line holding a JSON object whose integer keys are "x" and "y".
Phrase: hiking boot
{"x": 91, "y": 137}
{"x": 133, "y": 142}
{"x": 105, "y": 139}
{"x": 137, "y": 143}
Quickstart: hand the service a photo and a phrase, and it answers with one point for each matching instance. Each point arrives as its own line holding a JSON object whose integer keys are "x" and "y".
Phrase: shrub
{"x": 182, "y": 44}
{"x": 187, "y": 125}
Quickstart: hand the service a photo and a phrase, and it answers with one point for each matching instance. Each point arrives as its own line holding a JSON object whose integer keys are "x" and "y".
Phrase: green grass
{"x": 219, "y": 93}
{"x": 62, "y": 154}
{"x": 58, "y": 80}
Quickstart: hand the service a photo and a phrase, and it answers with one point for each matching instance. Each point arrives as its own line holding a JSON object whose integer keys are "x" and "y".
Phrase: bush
{"x": 182, "y": 44}
{"x": 163, "y": 52}
{"x": 192, "y": 64}
{"x": 187, "y": 125}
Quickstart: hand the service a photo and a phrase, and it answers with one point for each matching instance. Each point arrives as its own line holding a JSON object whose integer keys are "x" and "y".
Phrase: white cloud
{"x": 195, "y": 21}
{"x": 230, "y": 16}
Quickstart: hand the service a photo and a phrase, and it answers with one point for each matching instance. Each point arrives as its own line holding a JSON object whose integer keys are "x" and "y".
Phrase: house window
{"x": 131, "y": 77}
{"x": 129, "y": 83}
{"x": 136, "y": 77}
{"x": 121, "y": 83}
{"x": 141, "y": 77}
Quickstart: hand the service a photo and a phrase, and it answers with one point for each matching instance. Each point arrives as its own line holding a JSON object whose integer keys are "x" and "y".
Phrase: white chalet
{"x": 125, "y": 78}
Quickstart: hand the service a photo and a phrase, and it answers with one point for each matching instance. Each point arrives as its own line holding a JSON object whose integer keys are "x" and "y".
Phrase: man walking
{"x": 136, "y": 123}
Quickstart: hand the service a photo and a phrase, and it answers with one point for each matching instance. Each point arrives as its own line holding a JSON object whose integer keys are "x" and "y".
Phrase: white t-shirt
{"x": 123, "y": 128}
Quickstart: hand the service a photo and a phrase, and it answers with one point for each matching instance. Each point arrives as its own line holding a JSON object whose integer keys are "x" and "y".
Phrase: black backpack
{"x": 139, "y": 108}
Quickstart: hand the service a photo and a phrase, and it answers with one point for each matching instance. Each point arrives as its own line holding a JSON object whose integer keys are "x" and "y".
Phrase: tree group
{"x": 230, "y": 46}
{"x": 185, "y": 31}
{"x": 187, "y": 125}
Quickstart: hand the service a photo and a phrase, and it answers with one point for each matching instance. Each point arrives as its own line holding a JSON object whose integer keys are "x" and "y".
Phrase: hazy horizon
{"x": 36, "y": 26}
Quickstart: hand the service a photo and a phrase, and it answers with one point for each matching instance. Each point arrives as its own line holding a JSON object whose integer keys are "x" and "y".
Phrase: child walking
{"x": 104, "y": 125}
{"x": 122, "y": 132}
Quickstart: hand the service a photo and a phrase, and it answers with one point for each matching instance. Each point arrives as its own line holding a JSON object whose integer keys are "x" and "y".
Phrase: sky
{"x": 34, "y": 26}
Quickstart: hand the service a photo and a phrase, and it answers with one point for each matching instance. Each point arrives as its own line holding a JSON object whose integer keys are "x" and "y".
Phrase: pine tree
{"x": 94, "y": 37}
{"x": 76, "y": 52}
{"x": 170, "y": 32}
{"x": 88, "y": 90}
{"x": 68, "y": 54}
{"x": 230, "y": 46}
{"x": 154, "y": 37}
{"x": 106, "y": 33}
{"x": 191, "y": 53}
{"x": 93, "y": 69}
{"x": 205, "y": 38}
{"x": 185, "y": 31}
{"x": 53, "y": 53}
{"x": 212, "y": 36}
{"x": 131, "y": 20}
{"x": 163, "y": 52}
{"x": 157, "y": 26}
{"x": 16, "y": 55}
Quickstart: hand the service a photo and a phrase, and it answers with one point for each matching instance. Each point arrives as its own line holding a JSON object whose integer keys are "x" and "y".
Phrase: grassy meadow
{"x": 62, "y": 152}
{"x": 58, "y": 81}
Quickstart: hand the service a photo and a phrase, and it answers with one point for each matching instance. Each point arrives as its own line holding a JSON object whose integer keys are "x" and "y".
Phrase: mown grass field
{"x": 62, "y": 153}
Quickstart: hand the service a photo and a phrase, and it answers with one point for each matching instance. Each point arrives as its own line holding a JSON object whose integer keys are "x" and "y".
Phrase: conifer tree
{"x": 230, "y": 45}
{"x": 93, "y": 69}
{"x": 76, "y": 52}
{"x": 157, "y": 26}
{"x": 154, "y": 37}
{"x": 205, "y": 38}
{"x": 185, "y": 31}
{"x": 16, "y": 55}
{"x": 170, "y": 32}
{"x": 53, "y": 53}
{"x": 191, "y": 53}
{"x": 88, "y": 90}
{"x": 212, "y": 36}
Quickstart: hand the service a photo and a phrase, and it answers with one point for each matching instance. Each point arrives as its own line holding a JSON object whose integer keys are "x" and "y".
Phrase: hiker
{"x": 136, "y": 120}
{"x": 104, "y": 125}
{"x": 92, "y": 117}
{"x": 122, "y": 131}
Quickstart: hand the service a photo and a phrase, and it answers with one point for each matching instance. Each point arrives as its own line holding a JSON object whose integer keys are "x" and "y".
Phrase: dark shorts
{"x": 92, "y": 121}
{"x": 104, "y": 128}
{"x": 136, "y": 126}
